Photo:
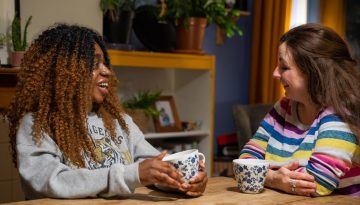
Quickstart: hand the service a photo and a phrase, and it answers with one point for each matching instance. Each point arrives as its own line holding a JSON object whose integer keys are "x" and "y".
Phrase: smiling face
{"x": 100, "y": 77}
{"x": 294, "y": 81}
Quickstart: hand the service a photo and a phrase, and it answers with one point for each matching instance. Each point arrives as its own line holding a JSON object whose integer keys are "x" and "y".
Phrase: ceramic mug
{"x": 186, "y": 162}
{"x": 250, "y": 174}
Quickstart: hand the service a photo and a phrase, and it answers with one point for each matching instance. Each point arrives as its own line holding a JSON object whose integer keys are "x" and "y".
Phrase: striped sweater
{"x": 327, "y": 149}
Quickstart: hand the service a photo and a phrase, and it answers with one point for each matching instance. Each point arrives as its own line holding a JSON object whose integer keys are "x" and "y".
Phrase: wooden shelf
{"x": 195, "y": 133}
{"x": 10, "y": 71}
{"x": 143, "y": 59}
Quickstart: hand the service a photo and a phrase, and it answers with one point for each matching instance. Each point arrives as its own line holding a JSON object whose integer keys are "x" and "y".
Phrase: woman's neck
{"x": 94, "y": 107}
{"x": 307, "y": 112}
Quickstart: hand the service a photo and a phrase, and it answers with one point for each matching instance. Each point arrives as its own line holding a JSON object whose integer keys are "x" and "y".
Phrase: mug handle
{"x": 201, "y": 156}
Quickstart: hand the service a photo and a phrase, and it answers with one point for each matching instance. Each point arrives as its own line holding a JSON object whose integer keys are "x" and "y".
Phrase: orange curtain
{"x": 271, "y": 18}
{"x": 332, "y": 14}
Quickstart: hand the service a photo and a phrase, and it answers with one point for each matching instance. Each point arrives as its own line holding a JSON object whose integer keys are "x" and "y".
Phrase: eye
{"x": 97, "y": 61}
{"x": 96, "y": 65}
{"x": 283, "y": 67}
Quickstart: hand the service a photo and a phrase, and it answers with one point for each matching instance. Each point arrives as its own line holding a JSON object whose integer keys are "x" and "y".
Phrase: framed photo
{"x": 168, "y": 119}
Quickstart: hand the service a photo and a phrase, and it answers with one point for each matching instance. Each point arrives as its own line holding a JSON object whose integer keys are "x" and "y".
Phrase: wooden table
{"x": 220, "y": 191}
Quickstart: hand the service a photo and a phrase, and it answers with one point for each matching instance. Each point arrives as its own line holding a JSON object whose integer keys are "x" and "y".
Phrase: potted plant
{"x": 141, "y": 108}
{"x": 117, "y": 22}
{"x": 19, "y": 40}
{"x": 186, "y": 14}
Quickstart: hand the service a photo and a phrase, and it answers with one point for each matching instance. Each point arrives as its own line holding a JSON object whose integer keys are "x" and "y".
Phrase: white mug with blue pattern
{"x": 250, "y": 174}
{"x": 186, "y": 162}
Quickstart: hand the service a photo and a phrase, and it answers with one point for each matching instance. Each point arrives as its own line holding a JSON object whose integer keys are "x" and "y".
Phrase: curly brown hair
{"x": 53, "y": 84}
{"x": 333, "y": 78}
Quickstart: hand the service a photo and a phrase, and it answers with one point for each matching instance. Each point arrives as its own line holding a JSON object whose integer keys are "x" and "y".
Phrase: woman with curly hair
{"x": 311, "y": 137}
{"x": 70, "y": 138}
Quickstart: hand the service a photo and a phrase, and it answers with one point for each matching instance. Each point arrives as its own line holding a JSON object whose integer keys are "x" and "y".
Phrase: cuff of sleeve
{"x": 132, "y": 176}
{"x": 123, "y": 179}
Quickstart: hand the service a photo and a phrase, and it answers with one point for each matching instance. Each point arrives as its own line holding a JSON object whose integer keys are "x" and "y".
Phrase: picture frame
{"x": 168, "y": 119}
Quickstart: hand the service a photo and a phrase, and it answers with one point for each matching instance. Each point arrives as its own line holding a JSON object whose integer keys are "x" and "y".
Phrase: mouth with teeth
{"x": 103, "y": 88}
{"x": 104, "y": 85}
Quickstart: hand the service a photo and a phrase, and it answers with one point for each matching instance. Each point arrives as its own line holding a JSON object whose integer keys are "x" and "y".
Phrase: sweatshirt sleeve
{"x": 43, "y": 173}
{"x": 139, "y": 147}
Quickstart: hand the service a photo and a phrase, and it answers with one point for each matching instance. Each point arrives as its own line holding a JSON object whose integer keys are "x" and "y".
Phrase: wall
{"x": 6, "y": 16}
{"x": 231, "y": 74}
{"x": 313, "y": 14}
{"x": 47, "y": 12}
{"x": 64, "y": 11}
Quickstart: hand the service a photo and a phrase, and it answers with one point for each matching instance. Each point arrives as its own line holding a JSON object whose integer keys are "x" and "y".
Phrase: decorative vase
{"x": 156, "y": 35}
{"x": 141, "y": 119}
{"x": 16, "y": 58}
{"x": 117, "y": 33}
{"x": 190, "y": 35}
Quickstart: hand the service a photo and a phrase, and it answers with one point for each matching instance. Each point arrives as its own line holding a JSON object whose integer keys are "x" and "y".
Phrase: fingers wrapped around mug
{"x": 197, "y": 184}
{"x": 191, "y": 163}
{"x": 154, "y": 170}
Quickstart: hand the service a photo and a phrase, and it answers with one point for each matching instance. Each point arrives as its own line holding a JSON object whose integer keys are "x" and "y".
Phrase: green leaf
{"x": 144, "y": 100}
{"x": 18, "y": 43}
{"x": 214, "y": 11}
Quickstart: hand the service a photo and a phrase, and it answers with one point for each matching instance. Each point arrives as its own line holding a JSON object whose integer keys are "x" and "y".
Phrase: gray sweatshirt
{"x": 45, "y": 173}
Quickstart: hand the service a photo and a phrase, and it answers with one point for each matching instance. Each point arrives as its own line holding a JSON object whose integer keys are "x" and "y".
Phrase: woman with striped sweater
{"x": 311, "y": 136}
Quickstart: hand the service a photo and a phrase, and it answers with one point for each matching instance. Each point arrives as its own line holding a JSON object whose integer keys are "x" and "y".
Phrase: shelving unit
{"x": 188, "y": 78}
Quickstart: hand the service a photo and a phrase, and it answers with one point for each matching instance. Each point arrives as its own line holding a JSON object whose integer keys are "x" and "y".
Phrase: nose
{"x": 276, "y": 73}
{"x": 104, "y": 70}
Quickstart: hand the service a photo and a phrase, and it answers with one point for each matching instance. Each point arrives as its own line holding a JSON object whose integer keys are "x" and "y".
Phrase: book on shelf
{"x": 228, "y": 145}
{"x": 230, "y": 150}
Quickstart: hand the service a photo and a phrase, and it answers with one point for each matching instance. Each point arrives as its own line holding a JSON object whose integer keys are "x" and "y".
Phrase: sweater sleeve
{"x": 335, "y": 148}
{"x": 43, "y": 173}
{"x": 256, "y": 147}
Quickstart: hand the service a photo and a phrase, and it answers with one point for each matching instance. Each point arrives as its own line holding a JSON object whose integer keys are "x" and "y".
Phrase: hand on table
{"x": 197, "y": 184}
{"x": 154, "y": 170}
{"x": 290, "y": 181}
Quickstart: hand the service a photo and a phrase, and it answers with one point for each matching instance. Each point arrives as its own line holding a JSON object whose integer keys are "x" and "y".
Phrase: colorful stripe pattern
{"x": 327, "y": 149}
